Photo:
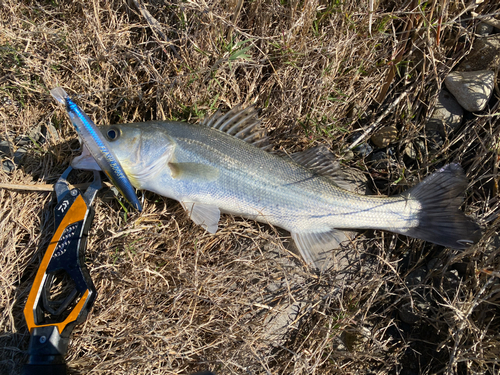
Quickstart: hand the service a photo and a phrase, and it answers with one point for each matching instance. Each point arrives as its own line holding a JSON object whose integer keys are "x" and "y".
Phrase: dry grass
{"x": 174, "y": 299}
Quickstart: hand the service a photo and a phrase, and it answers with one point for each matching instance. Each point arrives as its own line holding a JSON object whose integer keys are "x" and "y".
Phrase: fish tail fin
{"x": 440, "y": 220}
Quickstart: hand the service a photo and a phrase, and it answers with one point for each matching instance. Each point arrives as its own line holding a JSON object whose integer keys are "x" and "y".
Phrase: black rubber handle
{"x": 46, "y": 351}
{"x": 54, "y": 369}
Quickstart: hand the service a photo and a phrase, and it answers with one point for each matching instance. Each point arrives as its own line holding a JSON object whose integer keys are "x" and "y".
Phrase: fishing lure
{"x": 98, "y": 146}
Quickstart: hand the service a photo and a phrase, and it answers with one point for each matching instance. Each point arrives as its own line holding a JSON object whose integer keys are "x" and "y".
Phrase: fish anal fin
{"x": 206, "y": 215}
{"x": 240, "y": 123}
{"x": 316, "y": 248}
{"x": 193, "y": 171}
{"x": 322, "y": 162}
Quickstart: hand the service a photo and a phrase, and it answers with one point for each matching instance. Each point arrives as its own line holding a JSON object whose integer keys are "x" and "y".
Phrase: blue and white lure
{"x": 98, "y": 147}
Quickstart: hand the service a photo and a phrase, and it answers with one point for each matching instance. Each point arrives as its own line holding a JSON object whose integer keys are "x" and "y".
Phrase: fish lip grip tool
{"x": 51, "y": 318}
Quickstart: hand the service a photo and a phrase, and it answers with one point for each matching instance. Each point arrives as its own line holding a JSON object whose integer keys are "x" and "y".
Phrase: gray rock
{"x": 411, "y": 151}
{"x": 485, "y": 55}
{"x": 19, "y": 155}
{"x": 27, "y": 139}
{"x": 471, "y": 89}
{"x": 411, "y": 315}
{"x": 357, "y": 181}
{"x": 364, "y": 149}
{"x": 415, "y": 149}
{"x": 380, "y": 160}
{"x": 434, "y": 264}
{"x": 406, "y": 314}
{"x": 434, "y": 141}
{"x": 484, "y": 29}
{"x": 447, "y": 115}
{"x": 348, "y": 155}
{"x": 355, "y": 340}
{"x": 5, "y": 148}
{"x": 416, "y": 277}
{"x": 49, "y": 132}
{"x": 8, "y": 166}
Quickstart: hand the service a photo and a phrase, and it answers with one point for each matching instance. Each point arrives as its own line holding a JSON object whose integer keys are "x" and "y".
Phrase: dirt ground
{"x": 174, "y": 299}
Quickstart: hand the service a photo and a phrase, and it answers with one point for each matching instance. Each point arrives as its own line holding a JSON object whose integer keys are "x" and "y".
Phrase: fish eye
{"x": 113, "y": 134}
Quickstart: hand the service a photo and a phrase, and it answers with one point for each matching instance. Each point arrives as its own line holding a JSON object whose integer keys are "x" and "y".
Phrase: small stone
{"x": 385, "y": 136}
{"x": 6, "y": 101}
{"x": 348, "y": 155}
{"x": 471, "y": 89}
{"x": 484, "y": 29}
{"x": 420, "y": 145}
{"x": 434, "y": 140}
{"x": 5, "y": 148}
{"x": 355, "y": 340}
{"x": 49, "y": 132}
{"x": 485, "y": 55}
{"x": 416, "y": 277}
{"x": 33, "y": 135}
{"x": 415, "y": 149}
{"x": 411, "y": 151}
{"x": 19, "y": 155}
{"x": 364, "y": 149}
{"x": 8, "y": 166}
{"x": 380, "y": 160}
{"x": 451, "y": 282}
{"x": 406, "y": 314}
{"x": 447, "y": 115}
{"x": 411, "y": 315}
{"x": 434, "y": 264}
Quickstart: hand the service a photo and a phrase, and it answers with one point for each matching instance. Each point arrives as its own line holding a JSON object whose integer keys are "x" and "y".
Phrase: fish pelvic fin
{"x": 316, "y": 248}
{"x": 206, "y": 215}
{"x": 439, "y": 219}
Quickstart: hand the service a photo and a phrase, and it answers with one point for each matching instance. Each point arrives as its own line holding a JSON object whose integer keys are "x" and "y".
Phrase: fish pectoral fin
{"x": 203, "y": 214}
{"x": 193, "y": 171}
{"x": 85, "y": 161}
{"x": 315, "y": 248}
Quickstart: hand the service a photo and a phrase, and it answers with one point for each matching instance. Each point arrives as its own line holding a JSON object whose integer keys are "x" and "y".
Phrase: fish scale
{"x": 307, "y": 202}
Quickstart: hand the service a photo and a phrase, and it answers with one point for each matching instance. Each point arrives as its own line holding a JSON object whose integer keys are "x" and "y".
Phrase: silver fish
{"x": 221, "y": 166}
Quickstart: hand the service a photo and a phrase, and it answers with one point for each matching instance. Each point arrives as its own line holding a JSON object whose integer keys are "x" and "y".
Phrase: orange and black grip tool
{"x": 63, "y": 292}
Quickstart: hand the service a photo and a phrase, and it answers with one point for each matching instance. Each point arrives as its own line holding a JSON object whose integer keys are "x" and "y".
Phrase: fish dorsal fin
{"x": 322, "y": 162}
{"x": 206, "y": 215}
{"x": 316, "y": 248}
{"x": 240, "y": 123}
